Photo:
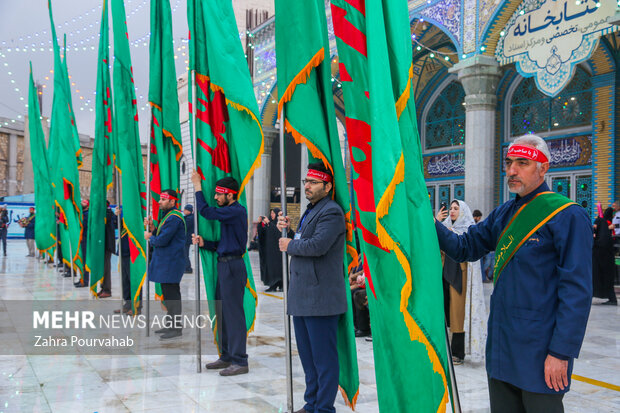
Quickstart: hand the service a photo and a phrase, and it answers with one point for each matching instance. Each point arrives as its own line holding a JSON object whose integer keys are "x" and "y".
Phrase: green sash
{"x": 528, "y": 219}
{"x": 172, "y": 212}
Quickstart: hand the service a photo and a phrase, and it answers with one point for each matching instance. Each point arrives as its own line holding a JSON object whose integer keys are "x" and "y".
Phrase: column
{"x": 262, "y": 176}
{"x": 28, "y": 174}
{"x": 303, "y": 202}
{"x": 12, "y": 164}
{"x": 479, "y": 76}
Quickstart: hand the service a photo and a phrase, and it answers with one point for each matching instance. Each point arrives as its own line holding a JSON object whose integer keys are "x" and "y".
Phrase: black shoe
{"x": 609, "y": 302}
{"x": 161, "y": 330}
{"x": 270, "y": 289}
{"x": 369, "y": 339}
{"x": 218, "y": 364}
{"x": 362, "y": 333}
{"x": 234, "y": 370}
{"x": 171, "y": 334}
{"x": 457, "y": 361}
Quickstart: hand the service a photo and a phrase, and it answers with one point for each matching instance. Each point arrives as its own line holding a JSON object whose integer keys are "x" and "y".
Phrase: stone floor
{"x": 170, "y": 383}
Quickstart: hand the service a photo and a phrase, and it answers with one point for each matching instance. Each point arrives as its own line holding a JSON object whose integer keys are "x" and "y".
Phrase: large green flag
{"x": 166, "y": 150}
{"x": 102, "y": 172}
{"x": 305, "y": 92}
{"x": 45, "y": 223}
{"x": 130, "y": 163}
{"x": 402, "y": 262}
{"x": 229, "y": 135}
{"x": 64, "y": 164}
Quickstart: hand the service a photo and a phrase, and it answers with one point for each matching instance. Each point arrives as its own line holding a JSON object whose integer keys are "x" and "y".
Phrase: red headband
{"x": 165, "y": 195}
{"x": 313, "y": 173}
{"x": 520, "y": 151}
{"x": 222, "y": 190}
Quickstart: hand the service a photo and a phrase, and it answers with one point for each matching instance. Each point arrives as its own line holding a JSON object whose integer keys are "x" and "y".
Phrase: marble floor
{"x": 170, "y": 383}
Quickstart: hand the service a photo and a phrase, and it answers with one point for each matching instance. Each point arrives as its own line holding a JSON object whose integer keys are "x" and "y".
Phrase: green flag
{"x": 102, "y": 172}
{"x": 305, "y": 92}
{"x": 64, "y": 163}
{"x": 402, "y": 262}
{"x": 166, "y": 150}
{"x": 129, "y": 151}
{"x": 229, "y": 135}
{"x": 45, "y": 223}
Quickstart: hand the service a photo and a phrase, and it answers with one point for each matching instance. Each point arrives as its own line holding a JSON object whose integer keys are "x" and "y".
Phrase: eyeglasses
{"x": 311, "y": 182}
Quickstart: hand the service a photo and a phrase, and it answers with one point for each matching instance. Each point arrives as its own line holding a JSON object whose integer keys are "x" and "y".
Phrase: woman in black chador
{"x": 603, "y": 265}
{"x": 273, "y": 255}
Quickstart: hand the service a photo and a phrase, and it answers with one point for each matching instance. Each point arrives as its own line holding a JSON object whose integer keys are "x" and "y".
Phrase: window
{"x": 445, "y": 122}
{"x": 532, "y": 111}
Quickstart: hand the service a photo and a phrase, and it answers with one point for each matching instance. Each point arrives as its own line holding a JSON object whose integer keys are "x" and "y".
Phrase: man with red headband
{"x": 543, "y": 283}
{"x": 168, "y": 261}
{"x": 231, "y": 273}
{"x": 317, "y": 292}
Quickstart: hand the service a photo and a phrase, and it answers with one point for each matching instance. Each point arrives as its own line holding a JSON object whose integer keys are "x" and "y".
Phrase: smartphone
{"x": 443, "y": 205}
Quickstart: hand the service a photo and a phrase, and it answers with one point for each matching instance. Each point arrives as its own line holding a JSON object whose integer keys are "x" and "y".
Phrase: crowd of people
{"x": 543, "y": 276}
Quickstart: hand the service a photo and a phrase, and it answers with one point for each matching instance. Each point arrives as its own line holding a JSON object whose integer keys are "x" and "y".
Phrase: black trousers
{"x": 506, "y": 398}
{"x": 3, "y": 234}
{"x": 172, "y": 301}
{"x": 231, "y": 279}
{"x": 106, "y": 283}
{"x": 361, "y": 316}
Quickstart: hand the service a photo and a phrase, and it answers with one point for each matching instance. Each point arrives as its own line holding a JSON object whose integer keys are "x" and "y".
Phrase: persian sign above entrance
{"x": 547, "y": 38}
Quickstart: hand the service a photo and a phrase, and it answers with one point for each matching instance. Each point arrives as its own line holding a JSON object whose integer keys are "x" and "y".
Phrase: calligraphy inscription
{"x": 546, "y": 38}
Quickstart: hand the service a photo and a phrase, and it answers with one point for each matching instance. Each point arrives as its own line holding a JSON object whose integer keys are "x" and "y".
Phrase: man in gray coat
{"x": 317, "y": 293}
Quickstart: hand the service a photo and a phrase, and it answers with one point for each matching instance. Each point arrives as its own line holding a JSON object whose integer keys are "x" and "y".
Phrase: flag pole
{"x": 117, "y": 195}
{"x": 456, "y": 401}
{"x": 196, "y": 248}
{"x": 147, "y": 306}
{"x": 285, "y": 277}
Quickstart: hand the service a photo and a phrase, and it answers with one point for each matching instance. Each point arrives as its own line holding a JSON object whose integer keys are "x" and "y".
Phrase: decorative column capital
{"x": 270, "y": 134}
{"x": 479, "y": 76}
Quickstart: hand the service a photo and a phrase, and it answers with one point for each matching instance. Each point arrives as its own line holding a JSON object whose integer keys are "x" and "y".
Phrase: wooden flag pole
{"x": 285, "y": 277}
{"x": 196, "y": 247}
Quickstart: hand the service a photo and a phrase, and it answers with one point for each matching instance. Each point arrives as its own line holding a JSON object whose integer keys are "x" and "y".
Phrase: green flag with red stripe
{"x": 129, "y": 151}
{"x": 402, "y": 263}
{"x": 305, "y": 93}
{"x": 166, "y": 149}
{"x": 64, "y": 163}
{"x": 228, "y": 132}
{"x": 102, "y": 167}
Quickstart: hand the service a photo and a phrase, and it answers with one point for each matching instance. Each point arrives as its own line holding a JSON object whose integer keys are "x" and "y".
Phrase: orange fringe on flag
{"x": 241, "y": 108}
{"x": 415, "y": 332}
{"x": 167, "y": 134}
{"x": 350, "y": 403}
{"x": 249, "y": 287}
{"x": 136, "y": 299}
{"x": 300, "y": 78}
{"x": 401, "y": 103}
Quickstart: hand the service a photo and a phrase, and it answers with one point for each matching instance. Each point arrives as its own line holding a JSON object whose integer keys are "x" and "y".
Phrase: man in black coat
{"x": 110, "y": 248}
